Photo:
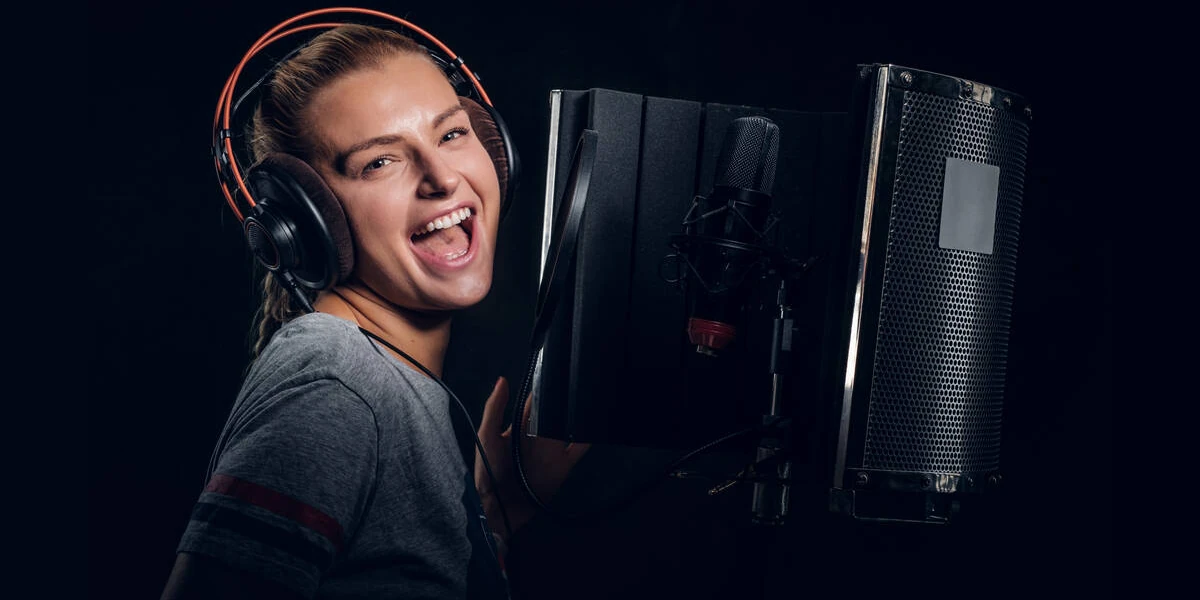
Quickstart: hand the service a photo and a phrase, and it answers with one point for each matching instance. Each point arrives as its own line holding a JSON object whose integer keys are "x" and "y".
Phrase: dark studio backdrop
{"x": 173, "y": 342}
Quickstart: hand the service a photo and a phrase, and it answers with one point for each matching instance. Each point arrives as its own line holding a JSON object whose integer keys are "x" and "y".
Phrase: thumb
{"x": 493, "y": 410}
{"x": 526, "y": 412}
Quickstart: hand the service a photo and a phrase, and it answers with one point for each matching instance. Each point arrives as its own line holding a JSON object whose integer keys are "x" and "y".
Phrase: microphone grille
{"x": 749, "y": 154}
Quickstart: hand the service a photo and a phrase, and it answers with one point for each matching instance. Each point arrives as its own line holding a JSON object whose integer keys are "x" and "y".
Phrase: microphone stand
{"x": 770, "y": 499}
{"x": 771, "y": 471}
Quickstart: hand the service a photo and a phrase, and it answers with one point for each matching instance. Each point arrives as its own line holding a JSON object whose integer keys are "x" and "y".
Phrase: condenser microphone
{"x": 724, "y": 233}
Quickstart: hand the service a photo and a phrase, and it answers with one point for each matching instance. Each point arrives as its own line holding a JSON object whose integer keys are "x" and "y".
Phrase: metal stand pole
{"x": 773, "y": 465}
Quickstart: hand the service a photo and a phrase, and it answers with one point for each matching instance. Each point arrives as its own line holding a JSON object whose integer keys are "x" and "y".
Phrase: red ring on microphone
{"x": 711, "y": 334}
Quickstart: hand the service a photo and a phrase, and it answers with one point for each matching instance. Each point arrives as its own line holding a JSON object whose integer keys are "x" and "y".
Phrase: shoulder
{"x": 323, "y": 350}
{"x": 313, "y": 356}
{"x": 315, "y": 338}
{"x": 316, "y": 346}
{"x": 302, "y": 388}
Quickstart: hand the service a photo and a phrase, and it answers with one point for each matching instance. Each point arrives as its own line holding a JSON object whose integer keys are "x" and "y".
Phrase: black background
{"x": 172, "y": 283}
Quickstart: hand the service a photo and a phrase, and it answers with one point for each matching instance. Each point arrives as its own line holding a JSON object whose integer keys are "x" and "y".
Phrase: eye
{"x": 455, "y": 133}
{"x": 378, "y": 163}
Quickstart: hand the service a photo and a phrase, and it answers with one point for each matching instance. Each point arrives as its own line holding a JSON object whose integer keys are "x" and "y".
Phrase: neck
{"x": 423, "y": 336}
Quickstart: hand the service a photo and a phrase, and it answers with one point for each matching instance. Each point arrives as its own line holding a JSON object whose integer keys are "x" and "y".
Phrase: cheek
{"x": 377, "y": 229}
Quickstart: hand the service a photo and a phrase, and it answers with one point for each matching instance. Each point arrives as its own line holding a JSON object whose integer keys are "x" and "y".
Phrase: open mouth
{"x": 446, "y": 238}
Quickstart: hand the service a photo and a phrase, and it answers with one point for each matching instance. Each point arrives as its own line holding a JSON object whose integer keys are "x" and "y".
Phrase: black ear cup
{"x": 297, "y": 225}
{"x": 513, "y": 161}
{"x": 492, "y": 132}
{"x": 272, "y": 240}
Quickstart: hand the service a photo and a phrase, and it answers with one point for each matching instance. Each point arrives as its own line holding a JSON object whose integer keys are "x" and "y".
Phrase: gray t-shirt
{"x": 338, "y": 474}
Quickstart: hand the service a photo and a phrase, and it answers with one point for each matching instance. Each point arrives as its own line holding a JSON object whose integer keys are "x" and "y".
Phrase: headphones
{"x": 295, "y": 225}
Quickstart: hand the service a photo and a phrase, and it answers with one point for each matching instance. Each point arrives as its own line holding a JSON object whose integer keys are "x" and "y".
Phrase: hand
{"x": 546, "y": 462}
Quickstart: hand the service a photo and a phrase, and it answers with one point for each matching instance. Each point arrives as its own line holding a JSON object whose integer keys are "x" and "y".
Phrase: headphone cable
{"x": 478, "y": 444}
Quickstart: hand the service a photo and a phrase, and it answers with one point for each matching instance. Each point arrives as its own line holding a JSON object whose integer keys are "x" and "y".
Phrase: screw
{"x": 967, "y": 89}
{"x": 906, "y": 77}
{"x": 1028, "y": 112}
{"x": 863, "y": 479}
{"x": 926, "y": 482}
{"x": 1007, "y": 102}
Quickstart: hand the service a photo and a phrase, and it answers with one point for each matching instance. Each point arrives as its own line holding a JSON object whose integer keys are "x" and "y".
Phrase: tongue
{"x": 448, "y": 243}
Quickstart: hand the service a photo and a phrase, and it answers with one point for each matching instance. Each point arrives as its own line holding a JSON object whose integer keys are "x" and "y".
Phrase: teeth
{"x": 448, "y": 220}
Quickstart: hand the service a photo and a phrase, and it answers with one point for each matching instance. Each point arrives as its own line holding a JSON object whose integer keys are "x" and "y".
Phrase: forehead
{"x": 400, "y": 95}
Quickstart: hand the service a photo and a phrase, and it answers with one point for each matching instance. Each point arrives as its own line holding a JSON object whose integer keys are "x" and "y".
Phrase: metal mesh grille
{"x": 938, "y": 379}
{"x": 749, "y": 154}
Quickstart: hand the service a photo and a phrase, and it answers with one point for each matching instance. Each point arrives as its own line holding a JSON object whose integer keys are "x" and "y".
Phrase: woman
{"x": 338, "y": 472}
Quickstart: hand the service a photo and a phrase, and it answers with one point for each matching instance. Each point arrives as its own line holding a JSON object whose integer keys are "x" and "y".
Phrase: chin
{"x": 461, "y": 296}
{"x": 471, "y": 297}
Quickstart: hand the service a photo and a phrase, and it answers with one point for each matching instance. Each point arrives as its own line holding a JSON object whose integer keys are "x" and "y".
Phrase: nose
{"x": 439, "y": 179}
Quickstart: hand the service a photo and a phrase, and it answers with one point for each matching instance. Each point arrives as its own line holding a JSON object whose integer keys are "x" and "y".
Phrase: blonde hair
{"x": 279, "y": 125}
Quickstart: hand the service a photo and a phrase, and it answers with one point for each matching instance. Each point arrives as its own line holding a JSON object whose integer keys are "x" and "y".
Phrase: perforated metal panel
{"x": 938, "y": 379}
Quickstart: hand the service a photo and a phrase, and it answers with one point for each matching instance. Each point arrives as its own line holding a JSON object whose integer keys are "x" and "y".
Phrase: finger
{"x": 526, "y": 412}
{"x": 528, "y": 409}
{"x": 493, "y": 409}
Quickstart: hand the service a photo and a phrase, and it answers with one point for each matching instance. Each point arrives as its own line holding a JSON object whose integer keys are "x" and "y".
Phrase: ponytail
{"x": 277, "y": 307}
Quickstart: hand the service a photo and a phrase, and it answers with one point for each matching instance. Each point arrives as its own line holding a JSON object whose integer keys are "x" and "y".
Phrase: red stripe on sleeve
{"x": 284, "y": 506}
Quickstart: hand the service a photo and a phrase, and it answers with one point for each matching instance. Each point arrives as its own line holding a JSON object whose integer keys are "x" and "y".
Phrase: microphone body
{"x": 724, "y": 232}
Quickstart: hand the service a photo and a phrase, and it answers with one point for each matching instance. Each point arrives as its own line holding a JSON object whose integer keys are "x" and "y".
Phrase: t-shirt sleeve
{"x": 289, "y": 486}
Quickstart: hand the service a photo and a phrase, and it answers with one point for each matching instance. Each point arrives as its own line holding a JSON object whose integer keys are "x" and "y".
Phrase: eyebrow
{"x": 339, "y": 159}
{"x": 446, "y": 114}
